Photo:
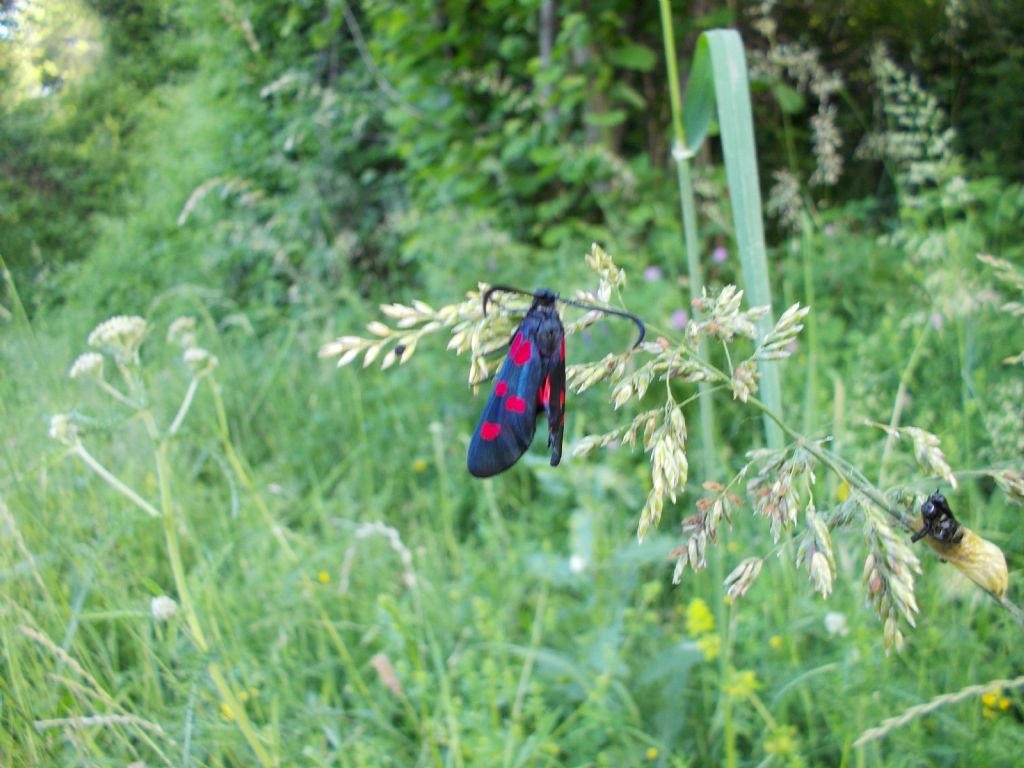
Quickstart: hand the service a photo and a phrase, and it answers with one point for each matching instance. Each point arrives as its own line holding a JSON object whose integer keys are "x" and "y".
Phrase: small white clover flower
{"x": 122, "y": 335}
{"x": 199, "y": 360}
{"x": 163, "y": 608}
{"x": 87, "y": 366}
{"x": 835, "y": 624}
{"x": 63, "y": 429}
{"x": 183, "y": 332}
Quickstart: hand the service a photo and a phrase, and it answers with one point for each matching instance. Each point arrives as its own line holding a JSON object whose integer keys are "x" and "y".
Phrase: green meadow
{"x": 243, "y": 351}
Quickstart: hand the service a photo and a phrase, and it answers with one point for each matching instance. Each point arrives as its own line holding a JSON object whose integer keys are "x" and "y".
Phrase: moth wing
{"x": 509, "y": 418}
{"x": 552, "y": 397}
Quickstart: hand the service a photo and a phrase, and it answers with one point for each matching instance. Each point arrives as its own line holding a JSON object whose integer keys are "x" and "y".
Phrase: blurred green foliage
{"x": 368, "y": 131}
{"x": 276, "y": 168}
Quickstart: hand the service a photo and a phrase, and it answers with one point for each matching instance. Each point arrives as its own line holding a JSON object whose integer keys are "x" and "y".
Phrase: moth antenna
{"x": 502, "y": 289}
{"x": 609, "y": 311}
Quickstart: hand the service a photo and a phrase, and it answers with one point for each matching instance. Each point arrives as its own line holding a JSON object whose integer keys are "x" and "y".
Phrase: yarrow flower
{"x": 87, "y": 366}
{"x": 835, "y": 624}
{"x": 63, "y": 429}
{"x": 200, "y": 360}
{"x": 121, "y": 336}
{"x": 163, "y": 608}
{"x": 182, "y": 332}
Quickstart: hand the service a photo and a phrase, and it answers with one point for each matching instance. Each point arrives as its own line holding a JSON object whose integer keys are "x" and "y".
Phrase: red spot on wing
{"x": 489, "y": 431}
{"x": 544, "y": 396}
{"x": 516, "y": 404}
{"x": 563, "y": 349}
{"x": 562, "y": 399}
{"x": 521, "y": 350}
{"x": 500, "y": 389}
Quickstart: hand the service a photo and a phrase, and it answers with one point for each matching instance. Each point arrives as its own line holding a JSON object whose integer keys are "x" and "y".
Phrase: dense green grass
{"x": 526, "y": 626}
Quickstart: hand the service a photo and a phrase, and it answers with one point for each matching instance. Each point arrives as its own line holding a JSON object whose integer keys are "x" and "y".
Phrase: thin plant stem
{"x": 444, "y": 495}
{"x": 171, "y": 534}
{"x": 242, "y": 473}
{"x": 224, "y": 689}
{"x": 897, "y": 406}
{"x": 115, "y": 393}
{"x": 238, "y": 714}
{"x": 82, "y": 453}
{"x": 186, "y": 403}
{"x": 691, "y": 234}
{"x": 688, "y": 210}
{"x": 811, "y": 386}
{"x": 524, "y": 676}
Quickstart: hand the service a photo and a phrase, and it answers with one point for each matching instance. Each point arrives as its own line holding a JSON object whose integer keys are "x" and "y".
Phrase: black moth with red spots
{"x": 532, "y": 377}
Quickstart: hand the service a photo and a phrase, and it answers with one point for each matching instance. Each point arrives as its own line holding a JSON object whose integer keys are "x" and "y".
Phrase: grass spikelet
{"x": 815, "y": 552}
{"x": 889, "y": 572}
{"x": 913, "y": 713}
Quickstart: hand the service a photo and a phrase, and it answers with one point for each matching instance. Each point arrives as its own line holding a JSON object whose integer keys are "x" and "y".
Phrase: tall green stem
{"x": 688, "y": 209}
{"x": 897, "y": 406}
{"x": 222, "y": 685}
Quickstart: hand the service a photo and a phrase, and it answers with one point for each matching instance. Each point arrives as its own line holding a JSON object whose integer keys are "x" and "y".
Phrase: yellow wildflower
{"x": 742, "y": 683}
{"x": 699, "y": 619}
{"x": 710, "y": 646}
{"x": 782, "y": 741}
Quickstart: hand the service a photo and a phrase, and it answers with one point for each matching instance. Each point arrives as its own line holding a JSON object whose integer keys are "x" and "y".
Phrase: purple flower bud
{"x": 937, "y": 320}
{"x": 719, "y": 254}
{"x": 680, "y": 319}
{"x": 652, "y": 274}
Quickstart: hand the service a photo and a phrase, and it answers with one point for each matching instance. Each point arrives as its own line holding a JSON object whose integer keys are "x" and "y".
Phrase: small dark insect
{"x": 939, "y": 522}
{"x": 399, "y": 351}
{"x": 532, "y": 376}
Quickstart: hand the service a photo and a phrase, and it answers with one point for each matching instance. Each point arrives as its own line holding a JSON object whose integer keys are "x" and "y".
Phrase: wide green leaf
{"x": 719, "y": 80}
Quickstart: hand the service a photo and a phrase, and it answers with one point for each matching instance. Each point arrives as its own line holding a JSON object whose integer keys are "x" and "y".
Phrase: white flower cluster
{"x": 87, "y": 366}
{"x": 183, "y": 333}
{"x": 63, "y": 429}
{"x": 121, "y": 336}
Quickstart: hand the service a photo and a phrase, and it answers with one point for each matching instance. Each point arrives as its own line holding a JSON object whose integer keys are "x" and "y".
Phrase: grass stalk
{"x": 688, "y": 209}
{"x": 897, "y": 406}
